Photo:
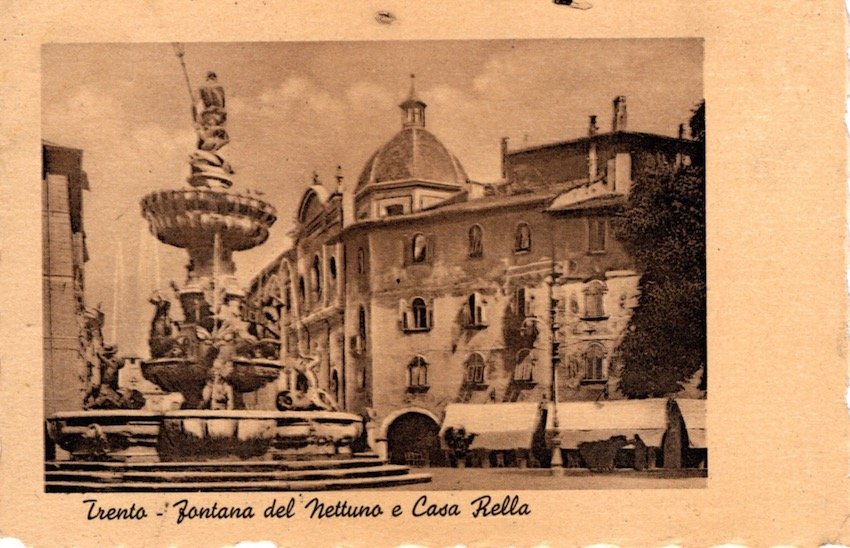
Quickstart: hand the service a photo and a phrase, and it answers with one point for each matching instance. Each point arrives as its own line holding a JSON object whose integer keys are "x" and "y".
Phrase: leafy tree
{"x": 458, "y": 442}
{"x": 697, "y": 123}
{"x": 663, "y": 226}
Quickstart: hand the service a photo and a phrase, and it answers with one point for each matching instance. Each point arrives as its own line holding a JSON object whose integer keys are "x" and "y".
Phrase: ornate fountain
{"x": 212, "y": 357}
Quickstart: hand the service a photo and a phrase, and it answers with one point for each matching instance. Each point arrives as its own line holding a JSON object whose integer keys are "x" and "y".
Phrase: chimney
{"x": 681, "y": 131}
{"x": 592, "y": 128}
{"x": 592, "y": 160}
{"x": 504, "y": 157}
{"x": 339, "y": 179}
{"x": 620, "y": 116}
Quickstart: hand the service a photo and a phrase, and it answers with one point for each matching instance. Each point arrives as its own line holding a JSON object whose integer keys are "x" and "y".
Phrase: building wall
{"x": 446, "y": 280}
{"x": 375, "y": 257}
{"x": 311, "y": 323}
{"x": 63, "y": 257}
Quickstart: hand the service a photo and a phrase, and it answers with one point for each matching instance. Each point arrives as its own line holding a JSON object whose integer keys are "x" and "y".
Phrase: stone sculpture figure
{"x": 306, "y": 394}
{"x": 161, "y": 340}
{"x": 209, "y": 114}
{"x": 210, "y": 117}
{"x": 218, "y": 393}
{"x": 91, "y": 339}
{"x": 233, "y": 331}
{"x": 103, "y": 391}
{"x": 272, "y": 307}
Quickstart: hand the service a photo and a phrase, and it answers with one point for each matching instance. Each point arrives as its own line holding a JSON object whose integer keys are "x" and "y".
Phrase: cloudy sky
{"x": 299, "y": 107}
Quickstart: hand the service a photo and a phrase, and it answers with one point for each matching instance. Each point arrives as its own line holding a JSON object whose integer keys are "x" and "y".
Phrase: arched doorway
{"x": 413, "y": 440}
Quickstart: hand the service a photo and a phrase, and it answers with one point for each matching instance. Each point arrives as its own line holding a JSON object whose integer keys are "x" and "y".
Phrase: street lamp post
{"x": 556, "y": 464}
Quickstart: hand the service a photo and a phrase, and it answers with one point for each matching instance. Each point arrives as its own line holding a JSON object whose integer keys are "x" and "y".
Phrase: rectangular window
{"x": 394, "y": 209}
{"x": 597, "y": 234}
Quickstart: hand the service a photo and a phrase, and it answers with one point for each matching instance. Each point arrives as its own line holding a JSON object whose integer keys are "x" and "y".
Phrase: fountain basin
{"x": 188, "y": 376}
{"x": 189, "y": 218}
{"x": 109, "y": 434}
{"x": 193, "y": 434}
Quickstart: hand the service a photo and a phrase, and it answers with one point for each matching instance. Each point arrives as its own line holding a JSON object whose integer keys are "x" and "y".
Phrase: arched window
{"x": 476, "y": 244}
{"x": 416, "y": 315}
{"x": 594, "y": 362}
{"x": 316, "y": 277}
{"x": 301, "y": 291}
{"x": 361, "y": 261}
{"x": 525, "y": 365}
{"x": 474, "y": 369}
{"x": 594, "y": 300}
{"x": 522, "y": 238}
{"x": 417, "y": 373}
{"x": 419, "y": 248}
{"x": 419, "y": 310}
{"x": 332, "y": 277}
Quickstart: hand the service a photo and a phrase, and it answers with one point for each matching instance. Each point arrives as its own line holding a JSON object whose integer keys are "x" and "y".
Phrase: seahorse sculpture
{"x": 304, "y": 393}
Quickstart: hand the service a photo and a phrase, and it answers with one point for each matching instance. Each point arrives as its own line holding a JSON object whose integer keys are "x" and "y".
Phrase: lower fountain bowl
{"x": 190, "y": 434}
{"x": 188, "y": 376}
{"x": 107, "y": 435}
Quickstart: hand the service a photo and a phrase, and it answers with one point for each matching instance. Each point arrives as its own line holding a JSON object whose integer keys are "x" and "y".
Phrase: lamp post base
{"x": 556, "y": 465}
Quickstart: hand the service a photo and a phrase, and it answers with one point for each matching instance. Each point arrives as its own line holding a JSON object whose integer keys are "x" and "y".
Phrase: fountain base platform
{"x": 362, "y": 470}
{"x": 214, "y": 450}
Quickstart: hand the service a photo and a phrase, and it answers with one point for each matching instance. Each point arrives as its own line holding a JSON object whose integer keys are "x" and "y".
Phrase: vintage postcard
{"x": 458, "y": 288}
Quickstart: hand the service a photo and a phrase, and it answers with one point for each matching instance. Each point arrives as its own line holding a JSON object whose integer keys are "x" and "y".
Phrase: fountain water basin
{"x": 201, "y": 434}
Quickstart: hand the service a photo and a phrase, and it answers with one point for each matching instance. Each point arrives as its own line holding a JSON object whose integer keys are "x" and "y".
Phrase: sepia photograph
{"x": 430, "y": 265}
{"x": 424, "y": 274}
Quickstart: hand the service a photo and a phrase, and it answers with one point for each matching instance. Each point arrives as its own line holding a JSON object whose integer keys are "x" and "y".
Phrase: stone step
{"x": 294, "y": 485}
{"x": 189, "y": 475}
{"x": 246, "y": 466}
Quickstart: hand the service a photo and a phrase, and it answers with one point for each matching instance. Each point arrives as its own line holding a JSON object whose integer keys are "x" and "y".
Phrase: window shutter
{"x": 603, "y": 232}
{"x": 481, "y": 309}
{"x": 529, "y": 305}
{"x": 403, "y": 314}
{"x": 519, "y": 302}
{"x": 467, "y": 315}
{"x": 430, "y": 250}
{"x": 430, "y": 313}
{"x": 407, "y": 251}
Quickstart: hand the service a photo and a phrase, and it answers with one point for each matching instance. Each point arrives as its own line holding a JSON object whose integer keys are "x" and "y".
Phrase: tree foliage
{"x": 663, "y": 226}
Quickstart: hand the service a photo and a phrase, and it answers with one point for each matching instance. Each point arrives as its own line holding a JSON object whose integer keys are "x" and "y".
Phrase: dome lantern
{"x": 413, "y": 109}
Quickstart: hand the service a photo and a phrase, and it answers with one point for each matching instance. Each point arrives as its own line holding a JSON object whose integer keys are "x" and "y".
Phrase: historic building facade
{"x": 64, "y": 256}
{"x": 444, "y": 290}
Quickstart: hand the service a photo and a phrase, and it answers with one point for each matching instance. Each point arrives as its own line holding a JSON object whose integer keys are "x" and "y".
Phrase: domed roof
{"x": 414, "y": 153}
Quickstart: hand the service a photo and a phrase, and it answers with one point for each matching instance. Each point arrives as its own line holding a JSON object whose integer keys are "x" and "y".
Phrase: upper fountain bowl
{"x": 190, "y": 218}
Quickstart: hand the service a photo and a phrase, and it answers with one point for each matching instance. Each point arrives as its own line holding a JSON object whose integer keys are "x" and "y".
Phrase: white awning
{"x": 497, "y": 426}
{"x": 583, "y": 421}
{"x": 693, "y": 412}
